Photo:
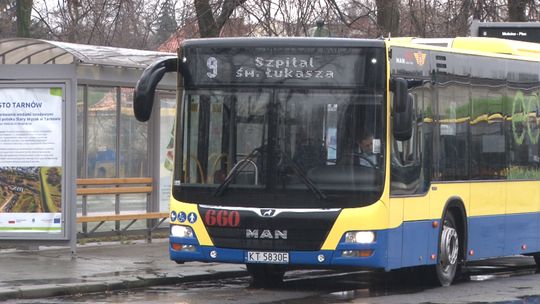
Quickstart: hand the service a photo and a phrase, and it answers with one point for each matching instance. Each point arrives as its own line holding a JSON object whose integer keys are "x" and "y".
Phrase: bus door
{"x": 410, "y": 163}
{"x": 410, "y": 178}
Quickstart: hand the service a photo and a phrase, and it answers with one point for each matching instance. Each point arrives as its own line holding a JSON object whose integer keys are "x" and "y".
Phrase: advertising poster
{"x": 31, "y": 160}
{"x": 168, "y": 110}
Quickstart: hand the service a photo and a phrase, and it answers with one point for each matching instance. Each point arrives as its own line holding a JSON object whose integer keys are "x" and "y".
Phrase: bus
{"x": 266, "y": 169}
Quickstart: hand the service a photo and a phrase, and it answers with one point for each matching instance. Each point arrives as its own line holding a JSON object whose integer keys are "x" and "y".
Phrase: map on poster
{"x": 31, "y": 160}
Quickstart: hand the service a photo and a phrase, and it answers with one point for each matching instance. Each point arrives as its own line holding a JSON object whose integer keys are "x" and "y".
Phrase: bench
{"x": 117, "y": 186}
{"x": 100, "y": 186}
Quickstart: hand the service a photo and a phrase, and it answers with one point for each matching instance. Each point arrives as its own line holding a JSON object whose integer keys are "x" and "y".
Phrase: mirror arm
{"x": 143, "y": 97}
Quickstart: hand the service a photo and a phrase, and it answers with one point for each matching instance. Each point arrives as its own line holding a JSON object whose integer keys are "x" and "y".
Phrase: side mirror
{"x": 143, "y": 98}
{"x": 403, "y": 109}
{"x": 403, "y": 121}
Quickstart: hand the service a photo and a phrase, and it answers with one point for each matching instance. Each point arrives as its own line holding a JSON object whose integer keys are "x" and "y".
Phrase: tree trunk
{"x": 24, "y": 13}
{"x": 388, "y": 17}
{"x": 209, "y": 25}
{"x": 462, "y": 28}
{"x": 516, "y": 10}
{"x": 205, "y": 18}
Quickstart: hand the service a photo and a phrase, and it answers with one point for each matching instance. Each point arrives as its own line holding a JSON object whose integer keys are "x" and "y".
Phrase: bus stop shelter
{"x": 70, "y": 140}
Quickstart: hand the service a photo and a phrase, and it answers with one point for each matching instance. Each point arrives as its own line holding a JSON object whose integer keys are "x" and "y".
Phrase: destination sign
{"x": 285, "y": 66}
{"x": 529, "y": 34}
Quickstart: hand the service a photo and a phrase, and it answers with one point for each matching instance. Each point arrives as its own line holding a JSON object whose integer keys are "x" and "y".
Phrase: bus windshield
{"x": 281, "y": 147}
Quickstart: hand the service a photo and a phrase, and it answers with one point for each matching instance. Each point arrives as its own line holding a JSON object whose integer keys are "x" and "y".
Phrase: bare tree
{"x": 7, "y": 18}
{"x": 286, "y": 17}
{"x": 516, "y": 10}
{"x": 126, "y": 23}
{"x": 24, "y": 13}
{"x": 134, "y": 23}
{"x": 211, "y": 20}
{"x": 388, "y": 16}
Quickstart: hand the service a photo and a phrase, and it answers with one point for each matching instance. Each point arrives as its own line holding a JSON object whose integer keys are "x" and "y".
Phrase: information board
{"x": 31, "y": 160}
{"x": 529, "y": 34}
{"x": 521, "y": 31}
{"x": 284, "y": 66}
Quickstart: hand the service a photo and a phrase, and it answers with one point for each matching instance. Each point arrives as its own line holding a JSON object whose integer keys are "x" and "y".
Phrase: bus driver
{"x": 363, "y": 153}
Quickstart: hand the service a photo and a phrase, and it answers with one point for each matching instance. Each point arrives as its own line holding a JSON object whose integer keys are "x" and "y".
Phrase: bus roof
{"x": 476, "y": 44}
{"x": 280, "y": 42}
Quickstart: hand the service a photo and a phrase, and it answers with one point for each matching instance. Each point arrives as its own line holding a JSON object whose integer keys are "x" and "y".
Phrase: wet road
{"x": 509, "y": 280}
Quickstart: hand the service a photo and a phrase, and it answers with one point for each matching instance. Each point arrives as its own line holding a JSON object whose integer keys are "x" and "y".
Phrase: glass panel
{"x": 80, "y": 132}
{"x": 191, "y": 172}
{"x": 79, "y": 205}
{"x": 100, "y": 204}
{"x": 411, "y": 159}
{"x": 101, "y": 145}
{"x": 133, "y": 203}
{"x": 166, "y": 145}
{"x": 523, "y": 134}
{"x": 214, "y": 143}
{"x": 303, "y": 130}
{"x": 133, "y": 139}
{"x": 301, "y": 144}
{"x": 488, "y": 159}
{"x": 454, "y": 108}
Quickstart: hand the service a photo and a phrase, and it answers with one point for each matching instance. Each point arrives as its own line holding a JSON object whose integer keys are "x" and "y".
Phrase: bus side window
{"x": 408, "y": 165}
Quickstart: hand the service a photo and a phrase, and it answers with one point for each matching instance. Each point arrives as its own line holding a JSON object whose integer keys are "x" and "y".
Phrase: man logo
{"x": 266, "y": 234}
{"x": 420, "y": 58}
{"x": 268, "y": 212}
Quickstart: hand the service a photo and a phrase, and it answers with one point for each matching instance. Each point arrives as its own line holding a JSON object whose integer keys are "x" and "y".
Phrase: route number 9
{"x": 211, "y": 63}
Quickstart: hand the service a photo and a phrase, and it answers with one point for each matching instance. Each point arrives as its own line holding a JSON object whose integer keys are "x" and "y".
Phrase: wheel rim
{"x": 449, "y": 248}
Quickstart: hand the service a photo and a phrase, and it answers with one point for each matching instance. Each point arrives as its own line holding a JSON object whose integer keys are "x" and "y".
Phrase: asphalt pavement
{"x": 98, "y": 267}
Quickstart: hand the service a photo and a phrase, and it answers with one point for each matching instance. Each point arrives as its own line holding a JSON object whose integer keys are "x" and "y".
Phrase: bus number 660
{"x": 222, "y": 218}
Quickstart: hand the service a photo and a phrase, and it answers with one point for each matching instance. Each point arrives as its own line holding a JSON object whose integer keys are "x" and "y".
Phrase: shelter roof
{"x": 36, "y": 51}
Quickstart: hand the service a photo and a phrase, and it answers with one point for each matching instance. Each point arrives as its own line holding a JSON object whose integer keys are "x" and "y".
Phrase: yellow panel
{"x": 474, "y": 45}
{"x": 395, "y": 217}
{"x": 522, "y": 197}
{"x": 441, "y": 193}
{"x": 416, "y": 208}
{"x": 487, "y": 198}
{"x": 495, "y": 45}
{"x": 489, "y": 45}
{"x": 198, "y": 227}
{"x": 373, "y": 217}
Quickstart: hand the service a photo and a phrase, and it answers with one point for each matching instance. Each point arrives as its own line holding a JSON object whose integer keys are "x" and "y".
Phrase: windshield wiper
{"x": 237, "y": 168}
{"x": 303, "y": 176}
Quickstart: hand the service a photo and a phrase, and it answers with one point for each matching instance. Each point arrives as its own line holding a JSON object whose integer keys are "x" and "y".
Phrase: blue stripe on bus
{"x": 419, "y": 244}
{"x": 411, "y": 244}
{"x": 502, "y": 235}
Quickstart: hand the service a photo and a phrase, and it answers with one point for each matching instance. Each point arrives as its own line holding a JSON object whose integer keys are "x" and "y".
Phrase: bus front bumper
{"x": 373, "y": 255}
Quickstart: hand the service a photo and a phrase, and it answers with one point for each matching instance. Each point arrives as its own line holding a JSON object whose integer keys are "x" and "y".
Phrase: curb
{"x": 55, "y": 290}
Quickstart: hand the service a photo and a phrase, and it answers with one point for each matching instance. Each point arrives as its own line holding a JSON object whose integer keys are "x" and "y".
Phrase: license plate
{"x": 267, "y": 257}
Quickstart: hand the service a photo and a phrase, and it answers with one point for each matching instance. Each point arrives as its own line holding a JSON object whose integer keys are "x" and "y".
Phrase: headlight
{"x": 360, "y": 237}
{"x": 181, "y": 231}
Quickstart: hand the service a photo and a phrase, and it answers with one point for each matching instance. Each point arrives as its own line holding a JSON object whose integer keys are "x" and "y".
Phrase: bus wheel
{"x": 447, "y": 264}
{"x": 263, "y": 275}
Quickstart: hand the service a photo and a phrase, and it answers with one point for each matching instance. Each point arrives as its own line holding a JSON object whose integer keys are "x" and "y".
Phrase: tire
{"x": 263, "y": 275}
{"x": 447, "y": 266}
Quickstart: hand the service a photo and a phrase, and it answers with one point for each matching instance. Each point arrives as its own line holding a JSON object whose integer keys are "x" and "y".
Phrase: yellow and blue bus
{"x": 329, "y": 152}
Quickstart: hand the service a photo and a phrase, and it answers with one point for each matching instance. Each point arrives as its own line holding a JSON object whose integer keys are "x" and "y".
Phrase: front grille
{"x": 306, "y": 231}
